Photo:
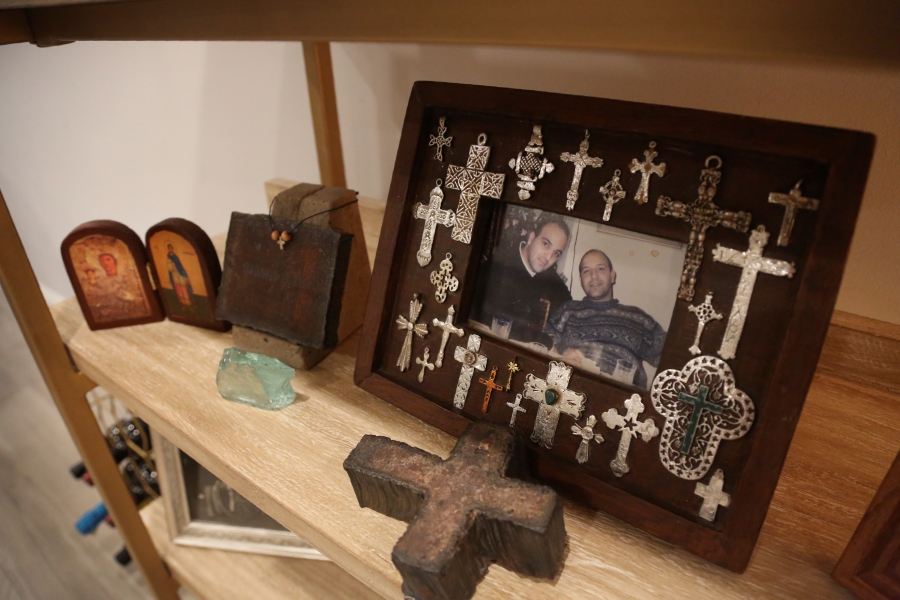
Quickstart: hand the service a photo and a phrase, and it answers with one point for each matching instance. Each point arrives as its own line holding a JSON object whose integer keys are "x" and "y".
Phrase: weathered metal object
{"x": 792, "y": 201}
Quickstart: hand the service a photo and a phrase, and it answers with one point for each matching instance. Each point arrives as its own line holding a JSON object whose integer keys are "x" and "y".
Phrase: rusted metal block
{"x": 465, "y": 512}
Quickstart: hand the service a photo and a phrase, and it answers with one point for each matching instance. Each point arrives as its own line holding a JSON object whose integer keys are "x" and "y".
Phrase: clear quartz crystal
{"x": 255, "y": 379}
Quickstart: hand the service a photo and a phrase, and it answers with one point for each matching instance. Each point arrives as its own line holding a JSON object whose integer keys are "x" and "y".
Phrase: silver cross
{"x": 752, "y": 262}
{"x": 444, "y": 280}
{"x": 425, "y": 364}
{"x": 791, "y": 201}
{"x": 473, "y": 182}
{"x": 587, "y": 436}
{"x": 647, "y": 168}
{"x": 553, "y": 397}
{"x": 411, "y": 327}
{"x": 713, "y": 496}
{"x": 581, "y": 160}
{"x": 705, "y": 313}
{"x": 448, "y": 328}
{"x": 528, "y": 167}
{"x": 612, "y": 192}
{"x": 433, "y": 216}
{"x": 471, "y": 361}
{"x": 440, "y": 141}
{"x": 516, "y": 409}
{"x": 629, "y": 426}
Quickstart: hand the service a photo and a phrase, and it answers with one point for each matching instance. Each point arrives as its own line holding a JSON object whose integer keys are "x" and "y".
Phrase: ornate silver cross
{"x": 440, "y": 141}
{"x": 448, "y": 328}
{"x": 433, "y": 216}
{"x": 612, "y": 192}
{"x": 411, "y": 327}
{"x": 516, "y": 409}
{"x": 752, "y": 262}
{"x": 444, "y": 280}
{"x": 629, "y": 426}
{"x": 425, "y": 364}
{"x": 701, "y": 407}
{"x": 705, "y": 313}
{"x": 528, "y": 167}
{"x": 647, "y": 168}
{"x": 471, "y": 361}
{"x": 791, "y": 201}
{"x": 701, "y": 214}
{"x": 713, "y": 496}
{"x": 580, "y": 160}
{"x": 473, "y": 182}
{"x": 553, "y": 397}
{"x": 587, "y": 436}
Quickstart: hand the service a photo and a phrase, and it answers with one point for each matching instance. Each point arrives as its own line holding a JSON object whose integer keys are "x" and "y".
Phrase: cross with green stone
{"x": 553, "y": 397}
{"x": 699, "y": 404}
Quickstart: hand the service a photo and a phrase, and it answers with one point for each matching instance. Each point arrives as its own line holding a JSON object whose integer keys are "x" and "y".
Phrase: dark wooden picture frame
{"x": 786, "y": 323}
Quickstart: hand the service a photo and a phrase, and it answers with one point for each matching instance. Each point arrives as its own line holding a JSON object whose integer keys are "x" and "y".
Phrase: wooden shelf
{"x": 289, "y": 463}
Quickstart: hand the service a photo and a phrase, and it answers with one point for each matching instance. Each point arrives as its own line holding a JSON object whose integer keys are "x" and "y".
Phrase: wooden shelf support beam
{"x": 323, "y": 103}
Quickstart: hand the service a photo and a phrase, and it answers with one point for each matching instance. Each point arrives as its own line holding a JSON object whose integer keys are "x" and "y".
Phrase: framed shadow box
{"x": 640, "y": 291}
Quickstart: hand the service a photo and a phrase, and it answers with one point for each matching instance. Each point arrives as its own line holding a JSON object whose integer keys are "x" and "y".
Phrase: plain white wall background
{"x": 142, "y": 131}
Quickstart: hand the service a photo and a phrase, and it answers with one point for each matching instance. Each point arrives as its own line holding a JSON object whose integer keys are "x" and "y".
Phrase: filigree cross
{"x": 647, "y": 168}
{"x": 444, "y": 280}
{"x": 440, "y": 141}
{"x": 705, "y": 313}
{"x": 553, "y": 397}
{"x": 448, "y": 328}
{"x": 434, "y": 216}
{"x": 580, "y": 160}
{"x": 491, "y": 386}
{"x": 587, "y": 436}
{"x": 410, "y": 327}
{"x": 471, "y": 361}
{"x": 630, "y": 427}
{"x": 473, "y": 182}
{"x": 612, "y": 192}
{"x": 791, "y": 201}
{"x": 713, "y": 496}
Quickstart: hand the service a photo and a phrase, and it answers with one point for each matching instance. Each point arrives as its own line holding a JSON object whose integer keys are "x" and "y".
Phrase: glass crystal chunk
{"x": 255, "y": 379}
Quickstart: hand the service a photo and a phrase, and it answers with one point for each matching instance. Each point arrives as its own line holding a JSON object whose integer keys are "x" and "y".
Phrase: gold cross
{"x": 513, "y": 368}
{"x": 491, "y": 386}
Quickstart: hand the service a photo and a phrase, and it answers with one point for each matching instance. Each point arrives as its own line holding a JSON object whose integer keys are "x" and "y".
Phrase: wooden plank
{"x": 323, "y": 104}
{"x": 860, "y": 355}
{"x": 14, "y": 27}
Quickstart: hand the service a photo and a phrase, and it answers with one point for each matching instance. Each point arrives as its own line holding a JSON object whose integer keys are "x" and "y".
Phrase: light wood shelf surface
{"x": 289, "y": 463}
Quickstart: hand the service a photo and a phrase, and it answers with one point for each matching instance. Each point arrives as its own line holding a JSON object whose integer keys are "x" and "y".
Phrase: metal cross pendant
{"x": 630, "y": 427}
{"x": 513, "y": 368}
{"x": 444, "y": 279}
{"x": 553, "y": 397}
{"x": 440, "y": 141}
{"x": 791, "y": 201}
{"x": 580, "y": 160}
{"x": 701, "y": 215}
{"x": 516, "y": 409}
{"x": 647, "y": 168}
{"x": 705, "y": 313}
{"x": 433, "y": 216}
{"x": 713, "y": 496}
{"x": 491, "y": 386}
{"x": 528, "y": 167}
{"x": 471, "y": 361}
{"x": 473, "y": 182}
{"x": 612, "y": 192}
{"x": 448, "y": 328}
{"x": 411, "y": 327}
{"x": 425, "y": 364}
{"x": 752, "y": 262}
{"x": 587, "y": 436}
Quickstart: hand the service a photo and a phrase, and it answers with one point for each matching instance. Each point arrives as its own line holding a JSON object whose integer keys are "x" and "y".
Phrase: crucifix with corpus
{"x": 792, "y": 201}
{"x": 581, "y": 160}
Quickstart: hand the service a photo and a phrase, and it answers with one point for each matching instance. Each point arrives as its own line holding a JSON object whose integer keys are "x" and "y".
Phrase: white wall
{"x": 143, "y": 131}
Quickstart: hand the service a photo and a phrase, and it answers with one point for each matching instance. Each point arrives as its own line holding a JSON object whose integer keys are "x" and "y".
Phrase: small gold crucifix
{"x": 491, "y": 386}
{"x": 513, "y": 368}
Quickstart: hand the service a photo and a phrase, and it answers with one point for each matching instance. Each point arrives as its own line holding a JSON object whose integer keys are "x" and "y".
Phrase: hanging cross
{"x": 410, "y": 327}
{"x": 471, "y": 361}
{"x": 791, "y": 201}
{"x": 713, "y": 496}
{"x": 705, "y": 313}
{"x": 491, "y": 386}
{"x": 433, "y": 216}
{"x": 473, "y": 182}
{"x": 281, "y": 242}
{"x": 440, "y": 141}
{"x": 528, "y": 167}
{"x": 464, "y": 513}
{"x": 752, "y": 262}
{"x": 448, "y": 328}
{"x": 580, "y": 160}
{"x": 425, "y": 364}
{"x": 701, "y": 214}
{"x": 553, "y": 397}
{"x": 647, "y": 168}
{"x": 516, "y": 409}
{"x": 513, "y": 368}
{"x": 612, "y": 192}
{"x": 587, "y": 436}
{"x": 630, "y": 427}
{"x": 444, "y": 280}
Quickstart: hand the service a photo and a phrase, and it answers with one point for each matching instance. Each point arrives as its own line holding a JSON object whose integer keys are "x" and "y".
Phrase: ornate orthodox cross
{"x": 440, "y": 141}
{"x": 752, "y": 262}
{"x": 713, "y": 496}
{"x": 553, "y": 397}
{"x": 448, "y": 328}
{"x": 444, "y": 280}
{"x": 516, "y": 409}
{"x": 473, "y": 182}
{"x": 491, "y": 386}
{"x": 701, "y": 214}
{"x": 587, "y": 436}
{"x": 471, "y": 361}
{"x": 425, "y": 364}
{"x": 612, "y": 192}
{"x": 528, "y": 167}
{"x": 791, "y": 201}
{"x": 434, "y": 216}
{"x": 647, "y": 168}
{"x": 705, "y": 313}
{"x": 513, "y": 368}
{"x": 580, "y": 160}
{"x": 410, "y": 327}
{"x": 630, "y": 427}
{"x": 464, "y": 512}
